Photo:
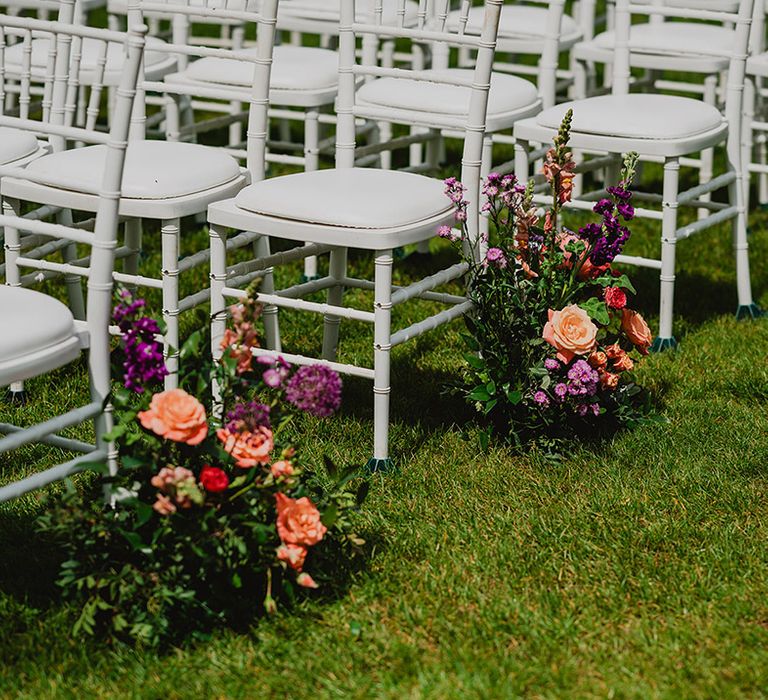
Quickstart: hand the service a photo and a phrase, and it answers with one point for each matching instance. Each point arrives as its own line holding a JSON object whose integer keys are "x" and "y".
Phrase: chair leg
{"x": 169, "y": 234}
{"x": 74, "y": 283}
{"x": 11, "y": 207}
{"x": 218, "y": 277}
{"x": 337, "y": 270}
{"x": 736, "y": 194}
{"x": 485, "y": 169}
{"x": 665, "y": 339}
{"x": 311, "y": 162}
{"x": 382, "y": 328}
{"x": 747, "y": 136}
{"x": 132, "y": 240}
{"x": 708, "y": 154}
{"x": 271, "y": 320}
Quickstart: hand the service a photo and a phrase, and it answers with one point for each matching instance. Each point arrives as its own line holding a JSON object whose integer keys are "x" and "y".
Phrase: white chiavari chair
{"x": 163, "y": 180}
{"x": 40, "y": 333}
{"x": 669, "y": 128}
{"x": 376, "y": 210}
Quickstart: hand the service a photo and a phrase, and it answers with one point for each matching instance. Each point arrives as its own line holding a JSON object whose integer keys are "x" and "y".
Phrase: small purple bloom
{"x": 248, "y": 416}
{"x": 626, "y": 210}
{"x": 582, "y": 409}
{"x": 551, "y": 364}
{"x": 495, "y": 257}
{"x": 561, "y": 390}
{"x": 595, "y": 409}
{"x": 541, "y": 398}
{"x": 603, "y": 207}
{"x": 315, "y": 389}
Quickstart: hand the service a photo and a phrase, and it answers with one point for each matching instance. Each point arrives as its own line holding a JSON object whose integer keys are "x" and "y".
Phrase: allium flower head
{"x": 315, "y": 389}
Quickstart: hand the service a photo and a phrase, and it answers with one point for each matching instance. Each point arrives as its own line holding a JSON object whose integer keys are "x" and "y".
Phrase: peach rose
{"x": 298, "y": 521}
{"x": 608, "y": 380}
{"x": 248, "y": 448}
{"x": 614, "y": 351}
{"x": 623, "y": 363}
{"x": 571, "y": 332}
{"x": 293, "y": 555}
{"x": 634, "y": 325}
{"x": 598, "y": 360}
{"x": 177, "y": 416}
{"x": 281, "y": 468}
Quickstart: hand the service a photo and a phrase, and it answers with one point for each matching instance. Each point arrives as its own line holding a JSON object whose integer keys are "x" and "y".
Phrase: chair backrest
{"x": 262, "y": 13}
{"x": 740, "y": 21}
{"x": 351, "y": 69}
{"x": 546, "y": 46}
{"x": 103, "y": 239}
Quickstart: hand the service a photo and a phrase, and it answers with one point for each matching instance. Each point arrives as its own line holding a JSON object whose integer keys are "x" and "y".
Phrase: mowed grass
{"x": 633, "y": 568}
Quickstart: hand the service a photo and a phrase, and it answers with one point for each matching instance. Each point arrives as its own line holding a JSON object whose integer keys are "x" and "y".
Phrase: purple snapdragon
{"x": 248, "y": 416}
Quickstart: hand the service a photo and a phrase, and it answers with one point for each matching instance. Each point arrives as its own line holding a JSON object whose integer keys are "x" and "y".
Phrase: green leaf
{"x": 236, "y": 580}
{"x": 474, "y": 361}
{"x": 330, "y": 515}
{"x": 597, "y": 310}
{"x": 479, "y": 393}
{"x": 621, "y": 281}
{"x": 191, "y": 348}
{"x": 514, "y": 397}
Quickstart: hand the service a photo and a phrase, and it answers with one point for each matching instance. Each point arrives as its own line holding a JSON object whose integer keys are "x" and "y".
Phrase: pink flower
{"x": 281, "y": 468}
{"x": 248, "y": 448}
{"x": 615, "y": 297}
{"x": 304, "y": 579}
{"x": 163, "y": 505}
{"x": 293, "y": 555}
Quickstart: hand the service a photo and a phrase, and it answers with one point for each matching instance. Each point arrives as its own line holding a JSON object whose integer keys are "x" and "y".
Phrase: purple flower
{"x": 626, "y": 210}
{"x": 315, "y": 389}
{"x": 541, "y": 398}
{"x": 551, "y": 364}
{"x": 495, "y": 257}
{"x": 582, "y": 409}
{"x": 619, "y": 193}
{"x": 583, "y": 379}
{"x": 591, "y": 232}
{"x": 595, "y": 408}
{"x": 603, "y": 207}
{"x": 277, "y": 371}
{"x": 143, "y": 362}
{"x": 561, "y": 390}
{"x": 248, "y": 416}
{"x": 445, "y": 232}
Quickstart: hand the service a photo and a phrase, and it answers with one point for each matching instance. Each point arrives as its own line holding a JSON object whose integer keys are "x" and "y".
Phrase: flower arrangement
{"x": 212, "y": 516}
{"x": 554, "y": 342}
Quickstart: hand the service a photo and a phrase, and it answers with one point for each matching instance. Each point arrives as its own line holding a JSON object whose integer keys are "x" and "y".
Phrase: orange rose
{"x": 588, "y": 271}
{"x": 293, "y": 555}
{"x": 598, "y": 360}
{"x": 248, "y": 448}
{"x": 177, "y": 416}
{"x": 614, "y": 351}
{"x": 608, "y": 380}
{"x": 298, "y": 521}
{"x": 571, "y": 332}
{"x": 304, "y": 579}
{"x": 623, "y": 363}
{"x": 634, "y": 325}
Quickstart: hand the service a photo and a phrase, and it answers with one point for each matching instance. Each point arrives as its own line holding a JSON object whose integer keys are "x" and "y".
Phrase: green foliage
{"x": 172, "y": 554}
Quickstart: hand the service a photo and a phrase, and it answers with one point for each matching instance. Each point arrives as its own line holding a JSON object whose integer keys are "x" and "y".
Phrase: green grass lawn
{"x": 635, "y": 568}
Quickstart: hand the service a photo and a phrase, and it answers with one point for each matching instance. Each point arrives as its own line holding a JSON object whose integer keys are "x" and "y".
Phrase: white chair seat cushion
{"x": 328, "y": 11}
{"x": 153, "y": 169}
{"x": 16, "y": 144}
{"x": 508, "y": 93}
{"x": 38, "y": 334}
{"x": 637, "y": 116}
{"x": 674, "y": 38}
{"x": 516, "y": 21}
{"x": 363, "y": 198}
{"x": 293, "y": 68}
{"x": 91, "y": 50}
